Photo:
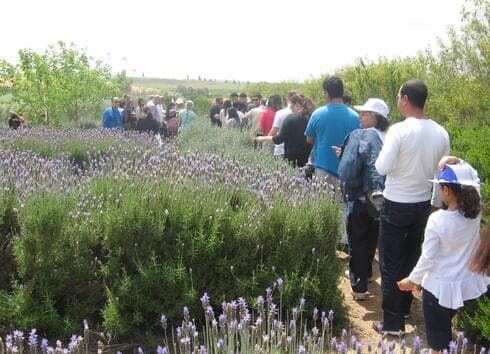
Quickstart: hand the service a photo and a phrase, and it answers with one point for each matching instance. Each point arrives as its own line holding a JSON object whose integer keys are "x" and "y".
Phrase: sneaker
{"x": 347, "y": 274}
{"x": 378, "y": 327}
{"x": 360, "y": 296}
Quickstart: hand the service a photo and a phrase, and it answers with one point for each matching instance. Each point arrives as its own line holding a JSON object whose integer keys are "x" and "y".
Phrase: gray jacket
{"x": 357, "y": 172}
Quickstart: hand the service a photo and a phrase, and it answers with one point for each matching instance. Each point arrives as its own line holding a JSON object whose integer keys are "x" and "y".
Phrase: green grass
{"x": 224, "y": 88}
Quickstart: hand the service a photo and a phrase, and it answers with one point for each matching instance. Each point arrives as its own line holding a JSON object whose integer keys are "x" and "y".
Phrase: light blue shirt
{"x": 186, "y": 117}
{"x": 329, "y": 125}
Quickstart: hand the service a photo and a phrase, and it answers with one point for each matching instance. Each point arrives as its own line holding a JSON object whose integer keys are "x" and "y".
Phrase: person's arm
{"x": 105, "y": 118}
{"x": 264, "y": 138}
{"x": 430, "y": 251}
{"x": 388, "y": 154}
{"x": 310, "y": 130}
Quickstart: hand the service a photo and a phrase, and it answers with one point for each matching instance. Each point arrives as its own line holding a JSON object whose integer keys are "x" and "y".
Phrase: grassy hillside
{"x": 157, "y": 85}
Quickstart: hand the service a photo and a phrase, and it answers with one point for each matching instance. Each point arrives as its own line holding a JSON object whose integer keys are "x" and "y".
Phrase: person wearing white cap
{"x": 360, "y": 181}
{"x": 408, "y": 159}
{"x": 451, "y": 238}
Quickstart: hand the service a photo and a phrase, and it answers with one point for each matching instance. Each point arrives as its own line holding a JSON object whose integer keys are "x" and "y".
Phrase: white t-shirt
{"x": 278, "y": 120}
{"x": 443, "y": 268}
{"x": 410, "y": 157}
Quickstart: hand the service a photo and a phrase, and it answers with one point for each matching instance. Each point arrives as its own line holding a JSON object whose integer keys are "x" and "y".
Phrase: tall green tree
{"x": 63, "y": 83}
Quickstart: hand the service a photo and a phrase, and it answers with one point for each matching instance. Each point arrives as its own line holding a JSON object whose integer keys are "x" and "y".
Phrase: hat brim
{"x": 463, "y": 183}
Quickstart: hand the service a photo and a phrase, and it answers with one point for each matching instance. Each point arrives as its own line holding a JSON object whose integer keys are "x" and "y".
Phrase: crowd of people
{"x": 149, "y": 115}
{"x": 392, "y": 180}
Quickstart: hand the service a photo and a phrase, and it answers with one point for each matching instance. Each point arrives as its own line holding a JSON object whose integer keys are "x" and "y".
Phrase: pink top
{"x": 266, "y": 119}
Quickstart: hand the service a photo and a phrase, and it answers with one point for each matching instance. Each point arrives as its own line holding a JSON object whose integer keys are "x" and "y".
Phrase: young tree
{"x": 63, "y": 83}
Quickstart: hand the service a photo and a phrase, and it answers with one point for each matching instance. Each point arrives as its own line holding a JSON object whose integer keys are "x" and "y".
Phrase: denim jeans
{"x": 401, "y": 232}
{"x": 437, "y": 322}
{"x": 363, "y": 238}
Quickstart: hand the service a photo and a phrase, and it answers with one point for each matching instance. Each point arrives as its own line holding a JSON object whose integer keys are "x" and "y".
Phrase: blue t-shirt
{"x": 329, "y": 125}
{"x": 111, "y": 118}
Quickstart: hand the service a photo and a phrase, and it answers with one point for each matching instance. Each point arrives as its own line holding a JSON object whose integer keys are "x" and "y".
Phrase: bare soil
{"x": 362, "y": 314}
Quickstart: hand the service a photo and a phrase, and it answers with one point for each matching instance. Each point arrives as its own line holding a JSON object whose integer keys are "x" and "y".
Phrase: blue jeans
{"x": 401, "y": 232}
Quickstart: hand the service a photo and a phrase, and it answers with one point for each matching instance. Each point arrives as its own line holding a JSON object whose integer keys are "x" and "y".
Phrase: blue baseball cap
{"x": 462, "y": 174}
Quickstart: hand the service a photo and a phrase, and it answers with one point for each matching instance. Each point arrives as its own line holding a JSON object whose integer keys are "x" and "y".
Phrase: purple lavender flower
{"x": 295, "y": 313}
{"x": 44, "y": 345}
{"x": 163, "y": 321}
{"x": 32, "y": 341}
{"x": 292, "y": 324}
{"x": 85, "y": 325}
{"x": 268, "y": 294}
{"x": 280, "y": 284}
{"x": 202, "y": 349}
{"x": 185, "y": 312}
{"x": 140, "y": 350}
{"x": 205, "y": 300}
{"x": 483, "y": 350}
{"x": 330, "y": 315}
{"x": 453, "y": 347}
{"x": 162, "y": 350}
{"x": 220, "y": 344}
{"x": 315, "y": 314}
{"x": 416, "y": 344}
{"x": 302, "y": 303}
{"x": 369, "y": 346}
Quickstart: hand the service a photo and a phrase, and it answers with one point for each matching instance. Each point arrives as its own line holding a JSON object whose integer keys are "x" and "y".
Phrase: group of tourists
{"x": 149, "y": 115}
{"x": 391, "y": 181}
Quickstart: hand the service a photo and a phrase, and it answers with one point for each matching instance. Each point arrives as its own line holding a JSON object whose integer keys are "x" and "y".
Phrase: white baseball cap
{"x": 462, "y": 174}
{"x": 375, "y": 105}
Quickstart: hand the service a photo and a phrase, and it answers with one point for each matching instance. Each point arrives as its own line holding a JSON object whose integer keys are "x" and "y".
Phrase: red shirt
{"x": 266, "y": 119}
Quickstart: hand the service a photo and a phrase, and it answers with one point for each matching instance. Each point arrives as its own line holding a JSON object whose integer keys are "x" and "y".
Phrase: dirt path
{"x": 362, "y": 314}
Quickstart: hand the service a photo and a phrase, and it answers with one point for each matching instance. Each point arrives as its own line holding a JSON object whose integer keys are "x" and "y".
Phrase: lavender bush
{"x": 141, "y": 229}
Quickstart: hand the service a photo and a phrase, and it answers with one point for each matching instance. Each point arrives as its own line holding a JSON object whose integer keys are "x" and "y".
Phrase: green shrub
{"x": 474, "y": 321}
{"x": 126, "y": 251}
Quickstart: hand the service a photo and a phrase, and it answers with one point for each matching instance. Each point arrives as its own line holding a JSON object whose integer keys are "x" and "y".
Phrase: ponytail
{"x": 468, "y": 199}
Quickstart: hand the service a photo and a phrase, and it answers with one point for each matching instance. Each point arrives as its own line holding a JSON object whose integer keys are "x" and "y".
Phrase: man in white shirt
{"x": 278, "y": 120}
{"x": 409, "y": 158}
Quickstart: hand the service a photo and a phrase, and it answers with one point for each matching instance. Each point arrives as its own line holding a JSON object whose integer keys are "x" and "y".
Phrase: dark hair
{"x": 334, "y": 87}
{"x": 274, "y": 102}
{"x": 226, "y": 104}
{"x": 467, "y": 198}
{"x": 416, "y": 91}
{"x": 232, "y": 113}
{"x": 141, "y": 101}
{"x": 290, "y": 94}
{"x": 305, "y": 102}
{"x": 480, "y": 263}
{"x": 234, "y": 94}
{"x": 257, "y": 95}
{"x": 381, "y": 122}
{"x": 242, "y": 95}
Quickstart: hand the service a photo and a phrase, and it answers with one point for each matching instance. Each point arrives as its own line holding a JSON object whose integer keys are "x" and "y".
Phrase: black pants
{"x": 401, "y": 232}
{"x": 362, "y": 231}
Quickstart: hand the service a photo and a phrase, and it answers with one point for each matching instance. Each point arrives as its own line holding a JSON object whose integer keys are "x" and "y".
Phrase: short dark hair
{"x": 233, "y": 94}
{"x": 416, "y": 91}
{"x": 334, "y": 87}
{"x": 243, "y": 95}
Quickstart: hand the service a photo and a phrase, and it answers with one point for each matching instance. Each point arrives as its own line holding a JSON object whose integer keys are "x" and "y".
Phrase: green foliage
{"x": 231, "y": 144}
{"x": 157, "y": 247}
{"x": 62, "y": 83}
{"x": 474, "y": 320}
{"x": 9, "y": 226}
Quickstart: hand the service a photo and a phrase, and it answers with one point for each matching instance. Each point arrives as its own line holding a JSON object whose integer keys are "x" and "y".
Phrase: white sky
{"x": 271, "y": 40}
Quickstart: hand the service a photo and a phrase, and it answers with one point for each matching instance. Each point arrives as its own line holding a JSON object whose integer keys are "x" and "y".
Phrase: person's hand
{"x": 448, "y": 160}
{"x": 337, "y": 150}
{"x": 406, "y": 285}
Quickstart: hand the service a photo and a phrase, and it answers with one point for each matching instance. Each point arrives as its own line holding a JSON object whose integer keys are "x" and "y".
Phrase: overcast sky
{"x": 250, "y": 40}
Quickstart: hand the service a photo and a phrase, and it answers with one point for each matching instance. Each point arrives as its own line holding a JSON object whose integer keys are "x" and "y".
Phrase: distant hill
{"x": 158, "y": 85}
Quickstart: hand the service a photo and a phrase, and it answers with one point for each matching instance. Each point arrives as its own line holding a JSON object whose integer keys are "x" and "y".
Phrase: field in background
{"x": 159, "y": 85}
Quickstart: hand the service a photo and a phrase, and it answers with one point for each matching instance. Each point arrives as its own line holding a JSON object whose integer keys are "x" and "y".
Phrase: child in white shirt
{"x": 451, "y": 237}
